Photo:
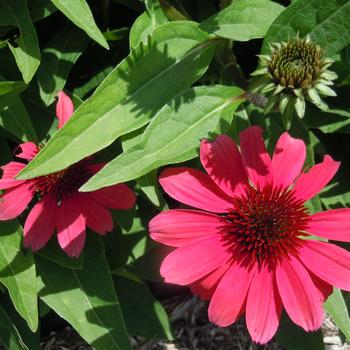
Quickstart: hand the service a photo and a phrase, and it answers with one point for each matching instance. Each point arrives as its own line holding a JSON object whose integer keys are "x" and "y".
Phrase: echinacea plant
{"x": 59, "y": 205}
{"x": 295, "y": 71}
{"x": 246, "y": 247}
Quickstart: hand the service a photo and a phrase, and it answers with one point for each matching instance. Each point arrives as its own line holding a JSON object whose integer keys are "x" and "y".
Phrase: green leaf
{"x": 130, "y": 96}
{"x": 58, "y": 58}
{"x": 243, "y": 20}
{"x": 40, "y": 9}
{"x": 325, "y": 21}
{"x": 332, "y": 120}
{"x": 86, "y": 298}
{"x": 292, "y": 337}
{"x": 337, "y": 309}
{"x": 56, "y": 254}
{"x": 174, "y": 135}
{"x": 25, "y": 48}
{"x": 12, "y": 87}
{"x": 144, "y": 26}
{"x": 79, "y": 13}
{"x": 30, "y": 339}
{"x": 15, "y": 119}
{"x": 9, "y": 336}
{"x": 17, "y": 272}
{"x": 144, "y": 315}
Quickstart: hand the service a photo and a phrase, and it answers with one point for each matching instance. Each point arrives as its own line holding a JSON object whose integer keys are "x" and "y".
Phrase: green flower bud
{"x": 295, "y": 71}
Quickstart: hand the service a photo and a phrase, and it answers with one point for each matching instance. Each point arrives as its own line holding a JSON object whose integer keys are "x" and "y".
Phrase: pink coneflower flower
{"x": 60, "y": 206}
{"x": 246, "y": 248}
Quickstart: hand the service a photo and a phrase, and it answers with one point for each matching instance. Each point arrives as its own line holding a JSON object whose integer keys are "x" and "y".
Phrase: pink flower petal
{"x": 194, "y": 188}
{"x": 301, "y": 298}
{"x": 230, "y": 295}
{"x": 70, "y": 227}
{"x": 15, "y": 200}
{"x": 10, "y": 171}
{"x": 264, "y": 306}
{"x": 254, "y": 155}
{"x": 64, "y": 108}
{"x": 327, "y": 261}
{"x": 325, "y": 289}
{"x": 40, "y": 223}
{"x": 28, "y": 150}
{"x": 98, "y": 218}
{"x": 193, "y": 261}
{"x": 222, "y": 161}
{"x": 311, "y": 183}
{"x": 332, "y": 224}
{"x": 178, "y": 227}
{"x": 115, "y": 197}
{"x": 205, "y": 287}
{"x": 288, "y": 160}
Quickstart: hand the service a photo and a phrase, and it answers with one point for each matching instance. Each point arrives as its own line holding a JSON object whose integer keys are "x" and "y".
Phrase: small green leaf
{"x": 292, "y": 337}
{"x": 17, "y": 272}
{"x": 337, "y": 309}
{"x": 145, "y": 24}
{"x": 79, "y": 13}
{"x": 144, "y": 315}
{"x": 58, "y": 58}
{"x": 174, "y": 135}
{"x": 15, "y": 119}
{"x": 243, "y": 20}
{"x": 12, "y": 87}
{"x": 325, "y": 21}
{"x": 130, "y": 96}
{"x": 9, "y": 336}
{"x": 86, "y": 298}
{"x": 26, "y": 48}
{"x": 40, "y": 9}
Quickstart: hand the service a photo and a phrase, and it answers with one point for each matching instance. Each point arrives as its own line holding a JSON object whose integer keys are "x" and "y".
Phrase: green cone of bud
{"x": 294, "y": 72}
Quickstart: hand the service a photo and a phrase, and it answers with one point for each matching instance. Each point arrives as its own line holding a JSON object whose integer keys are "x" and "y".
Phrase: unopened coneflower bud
{"x": 295, "y": 71}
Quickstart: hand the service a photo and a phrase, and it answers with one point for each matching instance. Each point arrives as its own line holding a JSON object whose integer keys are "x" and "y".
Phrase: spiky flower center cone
{"x": 294, "y": 72}
{"x": 63, "y": 183}
{"x": 296, "y": 64}
{"x": 267, "y": 223}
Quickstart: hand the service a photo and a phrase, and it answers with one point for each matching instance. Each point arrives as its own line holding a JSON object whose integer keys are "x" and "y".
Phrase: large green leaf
{"x": 9, "y": 336}
{"x": 79, "y": 13}
{"x": 326, "y": 22}
{"x": 174, "y": 134}
{"x": 26, "y": 49}
{"x": 17, "y": 272}
{"x": 144, "y": 315}
{"x": 337, "y": 309}
{"x": 86, "y": 298}
{"x": 59, "y": 56}
{"x": 243, "y": 20}
{"x": 130, "y": 96}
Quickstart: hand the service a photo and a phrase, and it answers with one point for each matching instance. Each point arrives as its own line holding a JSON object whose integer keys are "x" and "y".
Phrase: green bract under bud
{"x": 293, "y": 72}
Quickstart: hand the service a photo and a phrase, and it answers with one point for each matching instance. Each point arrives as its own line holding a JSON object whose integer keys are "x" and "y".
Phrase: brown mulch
{"x": 193, "y": 331}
